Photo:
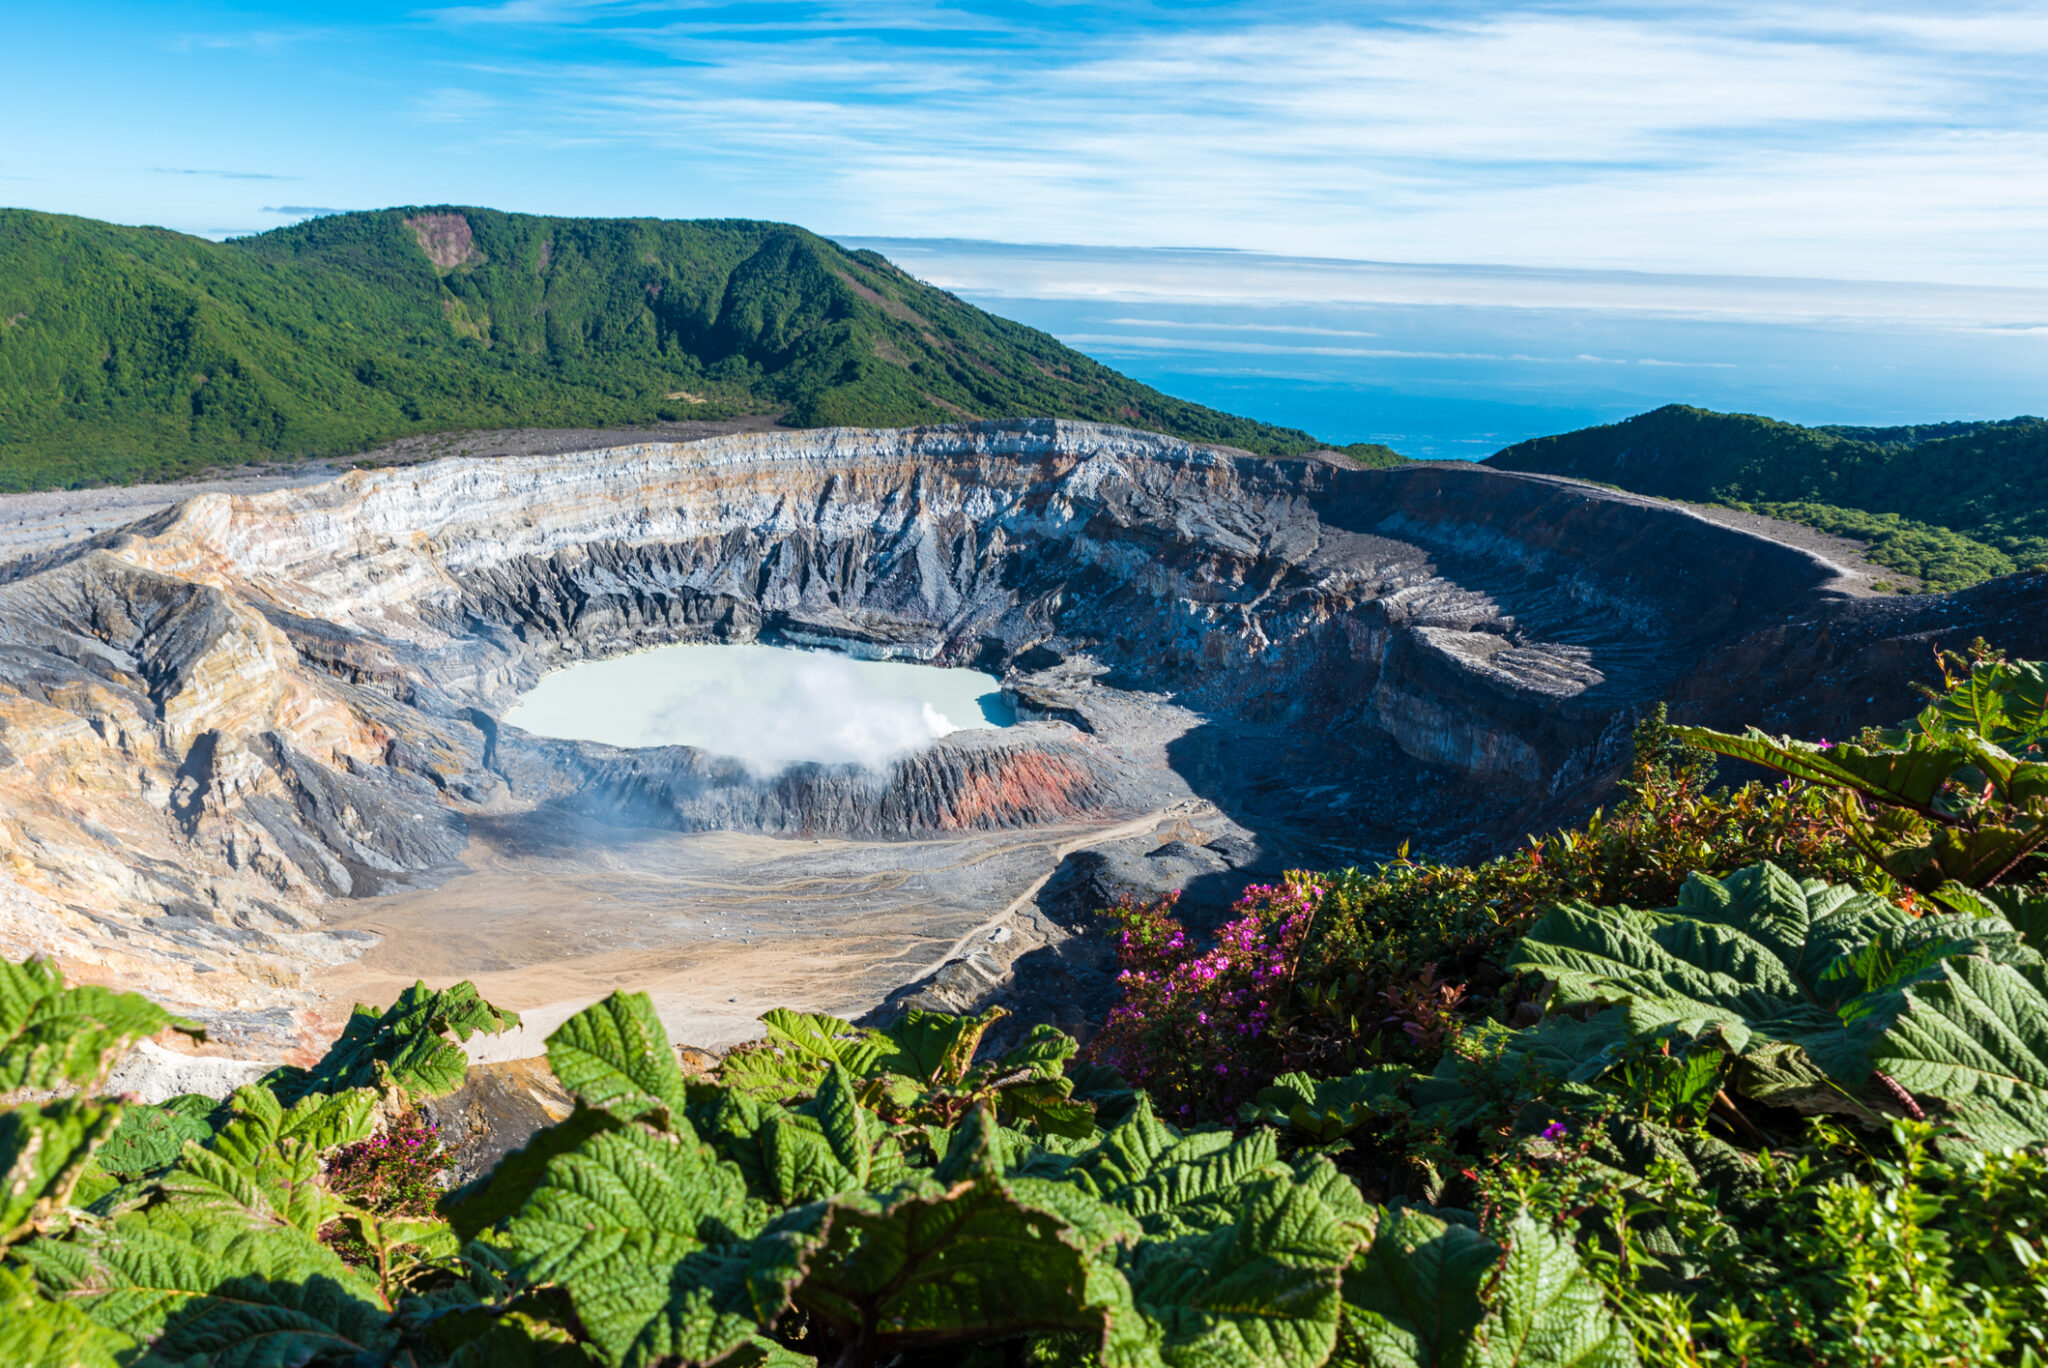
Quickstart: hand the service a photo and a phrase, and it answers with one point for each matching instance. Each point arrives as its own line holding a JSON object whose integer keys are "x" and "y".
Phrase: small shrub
{"x": 1196, "y": 1026}
{"x": 398, "y": 1172}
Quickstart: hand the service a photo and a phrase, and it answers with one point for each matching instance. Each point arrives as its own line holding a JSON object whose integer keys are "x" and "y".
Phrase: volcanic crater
{"x": 251, "y": 758}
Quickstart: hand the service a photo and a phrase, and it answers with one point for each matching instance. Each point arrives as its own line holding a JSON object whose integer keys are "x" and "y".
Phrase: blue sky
{"x": 1825, "y": 138}
{"x": 1865, "y": 142}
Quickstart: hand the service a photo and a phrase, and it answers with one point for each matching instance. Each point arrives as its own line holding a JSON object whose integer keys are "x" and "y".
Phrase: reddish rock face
{"x": 445, "y": 238}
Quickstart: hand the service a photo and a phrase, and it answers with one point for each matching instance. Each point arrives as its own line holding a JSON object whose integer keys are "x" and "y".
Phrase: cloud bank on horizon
{"x": 1833, "y": 139}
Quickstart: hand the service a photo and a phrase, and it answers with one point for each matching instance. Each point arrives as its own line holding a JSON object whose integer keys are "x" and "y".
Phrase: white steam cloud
{"x": 819, "y": 709}
{"x": 768, "y": 707}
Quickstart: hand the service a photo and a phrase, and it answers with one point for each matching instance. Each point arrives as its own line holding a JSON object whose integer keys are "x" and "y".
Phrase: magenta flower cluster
{"x": 1196, "y": 1027}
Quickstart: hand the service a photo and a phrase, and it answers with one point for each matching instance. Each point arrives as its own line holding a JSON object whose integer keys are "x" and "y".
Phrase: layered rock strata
{"x": 218, "y": 720}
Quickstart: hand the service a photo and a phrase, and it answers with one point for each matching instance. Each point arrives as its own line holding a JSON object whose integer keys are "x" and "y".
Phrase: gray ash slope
{"x": 230, "y": 714}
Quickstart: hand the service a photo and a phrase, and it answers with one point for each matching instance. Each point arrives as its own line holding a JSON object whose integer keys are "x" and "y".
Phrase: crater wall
{"x": 219, "y": 720}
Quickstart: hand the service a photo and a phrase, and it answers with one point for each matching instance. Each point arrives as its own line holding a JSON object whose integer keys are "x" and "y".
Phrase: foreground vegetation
{"x": 1492, "y": 1115}
{"x": 129, "y": 353}
{"x": 1951, "y": 504}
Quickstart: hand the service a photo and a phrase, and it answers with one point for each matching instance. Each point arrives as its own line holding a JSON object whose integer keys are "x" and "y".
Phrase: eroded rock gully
{"x": 226, "y": 725}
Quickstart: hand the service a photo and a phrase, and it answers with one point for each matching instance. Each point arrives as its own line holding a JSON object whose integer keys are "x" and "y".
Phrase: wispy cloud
{"x": 453, "y": 104}
{"x": 222, "y": 175}
{"x": 301, "y": 210}
{"x": 1227, "y": 286}
{"x": 1751, "y": 135}
{"x": 249, "y": 40}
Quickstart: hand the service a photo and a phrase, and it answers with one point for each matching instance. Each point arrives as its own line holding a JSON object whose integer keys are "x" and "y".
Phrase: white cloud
{"x": 1836, "y": 139}
{"x": 1239, "y": 280}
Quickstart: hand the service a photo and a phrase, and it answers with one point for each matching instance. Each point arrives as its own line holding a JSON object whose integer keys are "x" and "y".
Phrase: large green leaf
{"x": 1029, "y": 1082}
{"x": 1757, "y": 959}
{"x": 2004, "y": 703}
{"x": 1262, "y": 1289}
{"x": 1429, "y": 1293}
{"x": 796, "y": 1051}
{"x": 405, "y": 1047}
{"x": 498, "y": 1195}
{"x": 151, "y": 1138}
{"x": 43, "y": 1153}
{"x": 614, "y": 1056}
{"x": 207, "y": 1290}
{"x": 52, "y": 1036}
{"x": 649, "y": 1234}
{"x": 1977, "y": 1039}
{"x": 1545, "y": 1311}
{"x": 1816, "y": 987}
{"x": 1913, "y": 776}
{"x": 36, "y": 1332}
{"x": 934, "y": 1264}
{"x": 1412, "y": 1296}
{"x": 1323, "y": 1111}
{"x": 266, "y": 1162}
{"x": 829, "y": 1144}
{"x": 935, "y": 1048}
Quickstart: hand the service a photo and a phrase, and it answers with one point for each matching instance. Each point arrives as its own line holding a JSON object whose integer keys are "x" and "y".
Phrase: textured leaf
{"x": 1545, "y": 1311}
{"x": 258, "y": 1123}
{"x": 1412, "y": 1297}
{"x": 1262, "y": 1289}
{"x": 1325, "y": 1110}
{"x": 2026, "y": 909}
{"x": 1047, "y": 1106}
{"x": 150, "y": 1138}
{"x": 43, "y": 1152}
{"x": 520, "y": 1341}
{"x": 2004, "y": 703}
{"x": 1911, "y": 777}
{"x": 212, "y": 1292}
{"x": 38, "y": 1333}
{"x": 497, "y": 1196}
{"x": 831, "y": 1144}
{"x": 934, "y": 1047}
{"x": 614, "y": 1056}
{"x": 266, "y": 1162}
{"x": 648, "y": 1233}
{"x": 1815, "y": 987}
{"x": 1977, "y": 1039}
{"x": 1756, "y": 959}
{"x": 52, "y": 1036}
{"x": 404, "y": 1047}
{"x": 932, "y": 1264}
{"x": 798, "y": 1047}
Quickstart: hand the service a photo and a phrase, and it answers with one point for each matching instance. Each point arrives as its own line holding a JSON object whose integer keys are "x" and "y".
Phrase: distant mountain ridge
{"x": 1950, "y": 503}
{"x": 136, "y": 352}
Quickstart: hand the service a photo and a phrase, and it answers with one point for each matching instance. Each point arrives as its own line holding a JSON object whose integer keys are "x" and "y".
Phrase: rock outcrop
{"x": 215, "y": 722}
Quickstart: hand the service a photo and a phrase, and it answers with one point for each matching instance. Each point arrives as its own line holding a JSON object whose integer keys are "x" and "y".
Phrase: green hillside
{"x": 1951, "y": 503}
{"x": 135, "y": 352}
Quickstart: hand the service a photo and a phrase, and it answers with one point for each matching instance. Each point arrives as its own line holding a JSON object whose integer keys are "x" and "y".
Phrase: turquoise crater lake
{"x": 770, "y": 707}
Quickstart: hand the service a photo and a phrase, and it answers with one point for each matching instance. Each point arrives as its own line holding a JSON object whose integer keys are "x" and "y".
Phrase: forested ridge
{"x": 131, "y": 353}
{"x": 1949, "y": 503}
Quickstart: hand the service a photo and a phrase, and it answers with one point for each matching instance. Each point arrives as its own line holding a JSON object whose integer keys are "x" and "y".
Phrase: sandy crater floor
{"x": 716, "y": 927}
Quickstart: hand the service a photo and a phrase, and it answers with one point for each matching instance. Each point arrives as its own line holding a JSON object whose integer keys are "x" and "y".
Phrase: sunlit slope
{"x": 1952, "y": 503}
{"x": 128, "y": 352}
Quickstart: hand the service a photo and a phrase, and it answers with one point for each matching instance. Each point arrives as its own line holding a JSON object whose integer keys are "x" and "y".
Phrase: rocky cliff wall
{"x": 217, "y": 720}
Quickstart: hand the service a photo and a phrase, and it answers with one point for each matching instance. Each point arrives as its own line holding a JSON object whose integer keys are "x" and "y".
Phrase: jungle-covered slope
{"x": 136, "y": 352}
{"x": 1952, "y": 503}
